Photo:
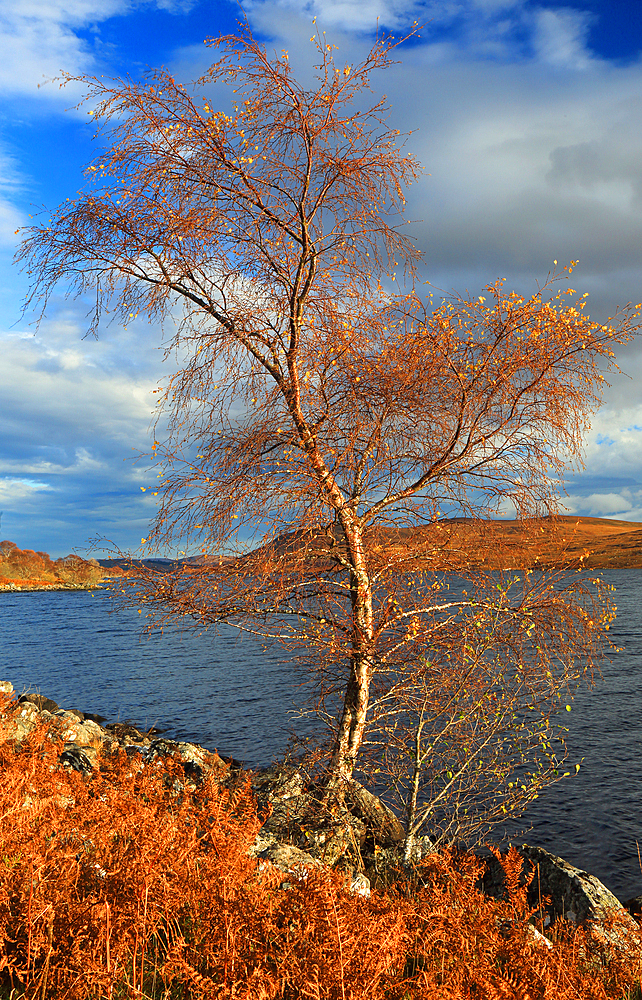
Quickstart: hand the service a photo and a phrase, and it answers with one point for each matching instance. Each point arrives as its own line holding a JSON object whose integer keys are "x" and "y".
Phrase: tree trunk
{"x": 411, "y": 808}
{"x": 353, "y": 717}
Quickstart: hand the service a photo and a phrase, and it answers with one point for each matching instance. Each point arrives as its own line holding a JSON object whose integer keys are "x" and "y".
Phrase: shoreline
{"x": 13, "y": 588}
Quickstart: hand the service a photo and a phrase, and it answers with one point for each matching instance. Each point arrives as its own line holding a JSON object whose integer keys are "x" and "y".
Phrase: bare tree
{"x": 316, "y": 415}
{"x": 465, "y": 734}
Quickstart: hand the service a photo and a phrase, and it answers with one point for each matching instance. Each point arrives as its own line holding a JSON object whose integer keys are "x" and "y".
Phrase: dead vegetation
{"x": 137, "y": 883}
{"x": 26, "y": 569}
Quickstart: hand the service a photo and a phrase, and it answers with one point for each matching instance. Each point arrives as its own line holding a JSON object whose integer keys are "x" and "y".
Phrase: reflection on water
{"x": 227, "y": 692}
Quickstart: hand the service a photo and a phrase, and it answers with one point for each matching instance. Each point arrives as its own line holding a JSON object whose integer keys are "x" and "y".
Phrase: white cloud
{"x": 523, "y": 165}
{"x": 601, "y": 504}
{"x": 363, "y": 15}
{"x": 348, "y": 15}
{"x": 71, "y": 407}
{"x": 38, "y": 39}
{"x": 560, "y": 37}
{"x": 82, "y": 461}
{"x": 510, "y": 188}
{"x": 10, "y": 183}
{"x": 76, "y": 415}
{"x": 14, "y": 492}
{"x": 614, "y": 443}
{"x": 510, "y": 29}
{"x": 10, "y": 220}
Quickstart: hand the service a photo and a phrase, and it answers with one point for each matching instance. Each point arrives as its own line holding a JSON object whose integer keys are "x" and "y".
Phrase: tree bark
{"x": 352, "y": 722}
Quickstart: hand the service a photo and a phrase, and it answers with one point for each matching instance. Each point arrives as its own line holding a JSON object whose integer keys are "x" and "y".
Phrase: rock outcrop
{"x": 82, "y": 737}
{"x": 560, "y": 890}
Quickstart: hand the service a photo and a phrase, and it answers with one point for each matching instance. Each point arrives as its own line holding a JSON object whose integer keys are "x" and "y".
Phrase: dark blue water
{"x": 594, "y": 819}
{"x": 222, "y": 691}
{"x": 225, "y": 692}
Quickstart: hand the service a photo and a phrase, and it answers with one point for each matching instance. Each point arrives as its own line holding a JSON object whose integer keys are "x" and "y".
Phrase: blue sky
{"x": 527, "y": 117}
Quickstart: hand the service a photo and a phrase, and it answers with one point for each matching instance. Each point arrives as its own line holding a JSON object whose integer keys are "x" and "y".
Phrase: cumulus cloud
{"x": 39, "y": 38}
{"x": 601, "y": 504}
{"x": 614, "y": 443}
{"x": 611, "y": 484}
{"x": 72, "y": 396}
{"x": 14, "y": 492}
{"x": 623, "y": 506}
{"x": 524, "y": 162}
{"x": 77, "y": 415}
{"x": 532, "y": 153}
{"x": 511, "y": 187}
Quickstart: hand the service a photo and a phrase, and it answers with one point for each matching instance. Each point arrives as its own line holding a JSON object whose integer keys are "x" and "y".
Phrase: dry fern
{"x": 123, "y": 885}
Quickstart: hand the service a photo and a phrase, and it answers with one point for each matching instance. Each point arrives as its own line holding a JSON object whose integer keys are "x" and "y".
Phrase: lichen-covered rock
{"x": 67, "y": 713}
{"x": 78, "y": 759}
{"x": 338, "y": 838}
{"x": 82, "y": 738}
{"x": 538, "y": 938}
{"x": 200, "y": 763}
{"x": 360, "y": 885}
{"x": 277, "y": 784}
{"x": 18, "y": 720}
{"x": 39, "y": 701}
{"x": 289, "y": 859}
{"x": 81, "y": 732}
{"x": 575, "y": 895}
{"x": 377, "y": 816}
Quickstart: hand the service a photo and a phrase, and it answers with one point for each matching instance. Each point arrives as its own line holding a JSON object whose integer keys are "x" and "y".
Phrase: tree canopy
{"x": 326, "y": 420}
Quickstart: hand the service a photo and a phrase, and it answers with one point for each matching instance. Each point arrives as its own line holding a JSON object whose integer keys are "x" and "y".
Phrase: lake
{"x": 227, "y": 693}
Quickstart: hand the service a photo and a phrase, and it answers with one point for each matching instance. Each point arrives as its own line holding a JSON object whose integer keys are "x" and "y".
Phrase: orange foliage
{"x": 28, "y": 568}
{"x": 313, "y": 401}
{"x": 18, "y": 563}
{"x": 136, "y": 883}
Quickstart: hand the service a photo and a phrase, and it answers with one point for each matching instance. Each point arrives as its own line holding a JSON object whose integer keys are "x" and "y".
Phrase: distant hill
{"x": 599, "y": 542}
{"x": 162, "y": 564}
{"x": 453, "y": 543}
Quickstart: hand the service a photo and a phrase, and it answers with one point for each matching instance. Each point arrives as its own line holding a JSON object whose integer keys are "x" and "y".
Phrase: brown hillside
{"x": 452, "y": 544}
{"x": 597, "y": 542}
{"x": 612, "y": 543}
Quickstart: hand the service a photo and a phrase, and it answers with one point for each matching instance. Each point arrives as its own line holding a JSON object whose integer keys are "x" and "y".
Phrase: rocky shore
{"x": 12, "y": 588}
{"x": 359, "y": 836}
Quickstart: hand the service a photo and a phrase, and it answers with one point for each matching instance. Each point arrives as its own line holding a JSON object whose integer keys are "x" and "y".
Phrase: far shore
{"x": 449, "y": 545}
{"x": 23, "y": 588}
